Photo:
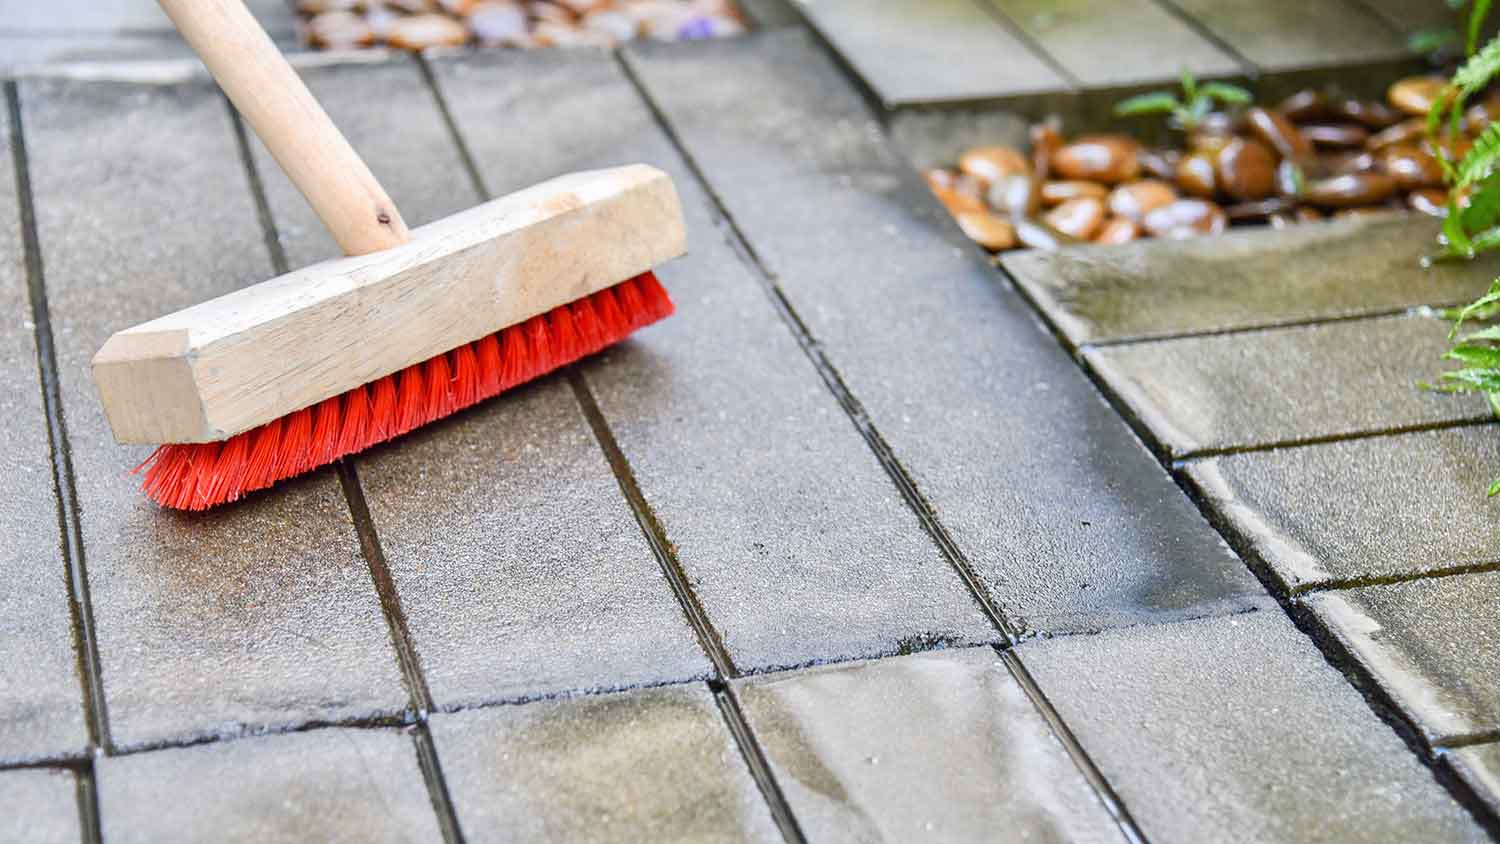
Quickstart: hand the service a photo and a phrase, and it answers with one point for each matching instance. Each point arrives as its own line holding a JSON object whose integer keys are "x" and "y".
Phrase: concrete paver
{"x": 39, "y": 806}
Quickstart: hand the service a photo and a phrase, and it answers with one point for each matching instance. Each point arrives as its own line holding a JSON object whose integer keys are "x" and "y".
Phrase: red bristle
{"x": 356, "y": 433}
{"x": 439, "y": 390}
{"x": 465, "y": 376}
{"x": 199, "y": 476}
{"x": 295, "y": 451}
{"x": 411, "y": 398}
{"x": 325, "y": 433}
{"x": 382, "y": 410}
{"x": 487, "y": 358}
{"x": 566, "y": 344}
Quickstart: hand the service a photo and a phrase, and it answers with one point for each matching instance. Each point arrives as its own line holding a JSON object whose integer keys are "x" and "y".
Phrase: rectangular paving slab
{"x": 1432, "y": 644}
{"x": 928, "y": 51}
{"x": 1377, "y": 507}
{"x": 41, "y": 708}
{"x": 338, "y": 784}
{"x": 520, "y": 570}
{"x": 1479, "y": 766}
{"x": 1068, "y": 521}
{"x": 794, "y": 539}
{"x": 1105, "y": 43}
{"x": 1245, "y": 279}
{"x": 253, "y": 615}
{"x": 646, "y": 765}
{"x": 940, "y": 746}
{"x": 1258, "y": 388}
{"x": 39, "y": 806}
{"x": 1290, "y": 34}
{"x": 1237, "y": 729}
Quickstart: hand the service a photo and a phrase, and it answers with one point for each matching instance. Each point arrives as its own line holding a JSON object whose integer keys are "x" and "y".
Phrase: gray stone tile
{"x": 1068, "y": 521}
{"x": 1432, "y": 644}
{"x": 1480, "y": 768}
{"x": 1409, "y": 16}
{"x": 1237, "y": 729}
{"x": 1283, "y": 385}
{"x": 766, "y": 490}
{"x": 404, "y": 142}
{"x": 519, "y": 567}
{"x": 256, "y": 614}
{"x": 41, "y": 710}
{"x": 32, "y": 52}
{"x": 39, "y": 806}
{"x": 770, "y": 13}
{"x": 1377, "y": 507}
{"x": 926, "y": 51}
{"x": 939, "y": 746}
{"x": 1290, "y": 34}
{"x": 647, "y": 765}
{"x": 345, "y": 785}
{"x": 1245, "y": 279}
{"x": 1117, "y": 42}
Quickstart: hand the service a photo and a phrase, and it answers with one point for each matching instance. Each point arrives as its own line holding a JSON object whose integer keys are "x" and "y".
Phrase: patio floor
{"x": 860, "y": 545}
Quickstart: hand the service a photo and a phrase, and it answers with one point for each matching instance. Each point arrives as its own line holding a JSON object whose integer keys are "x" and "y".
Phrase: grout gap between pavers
{"x": 80, "y": 604}
{"x": 1250, "y": 68}
{"x": 1023, "y": 37}
{"x": 407, "y": 658}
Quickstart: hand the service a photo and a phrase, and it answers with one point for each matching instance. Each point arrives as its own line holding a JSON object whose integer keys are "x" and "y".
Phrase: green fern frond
{"x": 1477, "y": 15}
{"x": 1479, "y": 69}
{"x": 1481, "y": 159}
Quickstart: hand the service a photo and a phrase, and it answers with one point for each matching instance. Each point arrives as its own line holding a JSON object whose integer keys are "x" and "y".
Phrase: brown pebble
{"x": 457, "y": 8}
{"x": 1280, "y": 133}
{"x": 1079, "y": 218}
{"x": 1160, "y": 163}
{"x": 1246, "y": 169}
{"x": 1247, "y": 211}
{"x": 1135, "y": 200}
{"x": 987, "y": 230}
{"x": 1195, "y": 176}
{"x": 990, "y": 163}
{"x": 1046, "y": 140}
{"x": 955, "y": 202}
{"x": 1307, "y": 104}
{"x": 617, "y": 25}
{"x": 1414, "y": 95}
{"x": 552, "y": 34}
{"x": 420, "y": 32}
{"x": 1411, "y": 167}
{"x": 1405, "y": 132}
{"x": 1118, "y": 231}
{"x": 1372, "y": 113}
{"x": 1482, "y": 114}
{"x": 339, "y": 31}
{"x": 1185, "y": 218}
{"x": 1349, "y": 190}
{"x": 544, "y": 11}
{"x": 1110, "y": 159}
{"x": 497, "y": 22}
{"x": 411, "y": 7}
{"x": 1056, "y": 193}
{"x": 1432, "y": 201}
{"x": 1014, "y": 195}
{"x": 1335, "y": 134}
{"x": 1349, "y": 161}
{"x": 319, "y": 7}
{"x": 1290, "y": 177}
{"x": 1035, "y": 234}
{"x": 1362, "y": 211}
{"x": 1207, "y": 143}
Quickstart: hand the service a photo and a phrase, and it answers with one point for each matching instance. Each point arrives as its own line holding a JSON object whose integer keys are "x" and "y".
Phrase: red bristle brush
{"x": 280, "y": 378}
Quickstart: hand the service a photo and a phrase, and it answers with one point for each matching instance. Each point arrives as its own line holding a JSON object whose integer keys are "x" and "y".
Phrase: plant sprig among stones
{"x": 1313, "y": 155}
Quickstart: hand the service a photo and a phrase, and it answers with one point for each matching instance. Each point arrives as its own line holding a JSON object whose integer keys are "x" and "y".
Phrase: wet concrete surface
{"x": 39, "y": 806}
{"x": 1260, "y": 388}
{"x": 1285, "y": 34}
{"x": 647, "y": 765}
{"x": 1432, "y": 644}
{"x": 1237, "y": 729}
{"x": 948, "y": 748}
{"x": 1332, "y": 512}
{"x": 1479, "y": 766}
{"x": 334, "y": 785}
{"x": 1245, "y": 279}
{"x": 257, "y": 614}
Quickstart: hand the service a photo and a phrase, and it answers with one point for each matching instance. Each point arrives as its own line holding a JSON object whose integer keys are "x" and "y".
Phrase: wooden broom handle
{"x": 297, "y": 131}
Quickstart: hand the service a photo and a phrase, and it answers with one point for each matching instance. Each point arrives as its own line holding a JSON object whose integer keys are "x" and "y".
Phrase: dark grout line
{"x": 1326, "y": 439}
{"x": 755, "y": 760}
{"x": 1081, "y": 759}
{"x": 465, "y": 155}
{"x": 80, "y": 603}
{"x": 1438, "y": 573}
{"x": 1415, "y": 312}
{"x": 87, "y": 792}
{"x": 1250, "y": 68}
{"x": 419, "y": 694}
{"x": 1002, "y": 20}
{"x": 1471, "y": 740}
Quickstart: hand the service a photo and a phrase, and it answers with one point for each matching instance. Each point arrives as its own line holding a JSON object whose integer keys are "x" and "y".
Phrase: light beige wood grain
{"x": 299, "y": 134}
{"x": 213, "y": 370}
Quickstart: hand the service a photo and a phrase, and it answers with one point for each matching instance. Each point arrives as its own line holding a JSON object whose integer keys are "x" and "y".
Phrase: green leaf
{"x": 1471, "y": 380}
{"x": 1484, "y": 334}
{"x": 1487, "y": 357}
{"x": 1453, "y": 231}
{"x": 1477, "y": 15}
{"x": 1225, "y": 93}
{"x": 1189, "y": 84}
{"x": 1156, "y": 102}
{"x": 1425, "y": 41}
{"x": 1477, "y": 306}
{"x": 1482, "y": 158}
{"x": 1494, "y": 489}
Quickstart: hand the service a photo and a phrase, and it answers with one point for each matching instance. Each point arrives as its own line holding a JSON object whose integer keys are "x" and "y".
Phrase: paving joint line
{"x": 419, "y": 694}
{"x": 1326, "y": 439}
{"x": 1003, "y": 20}
{"x": 882, "y": 450}
{"x": 709, "y": 639}
{"x": 1201, "y": 29}
{"x": 1412, "y": 311}
{"x": 1438, "y": 573}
